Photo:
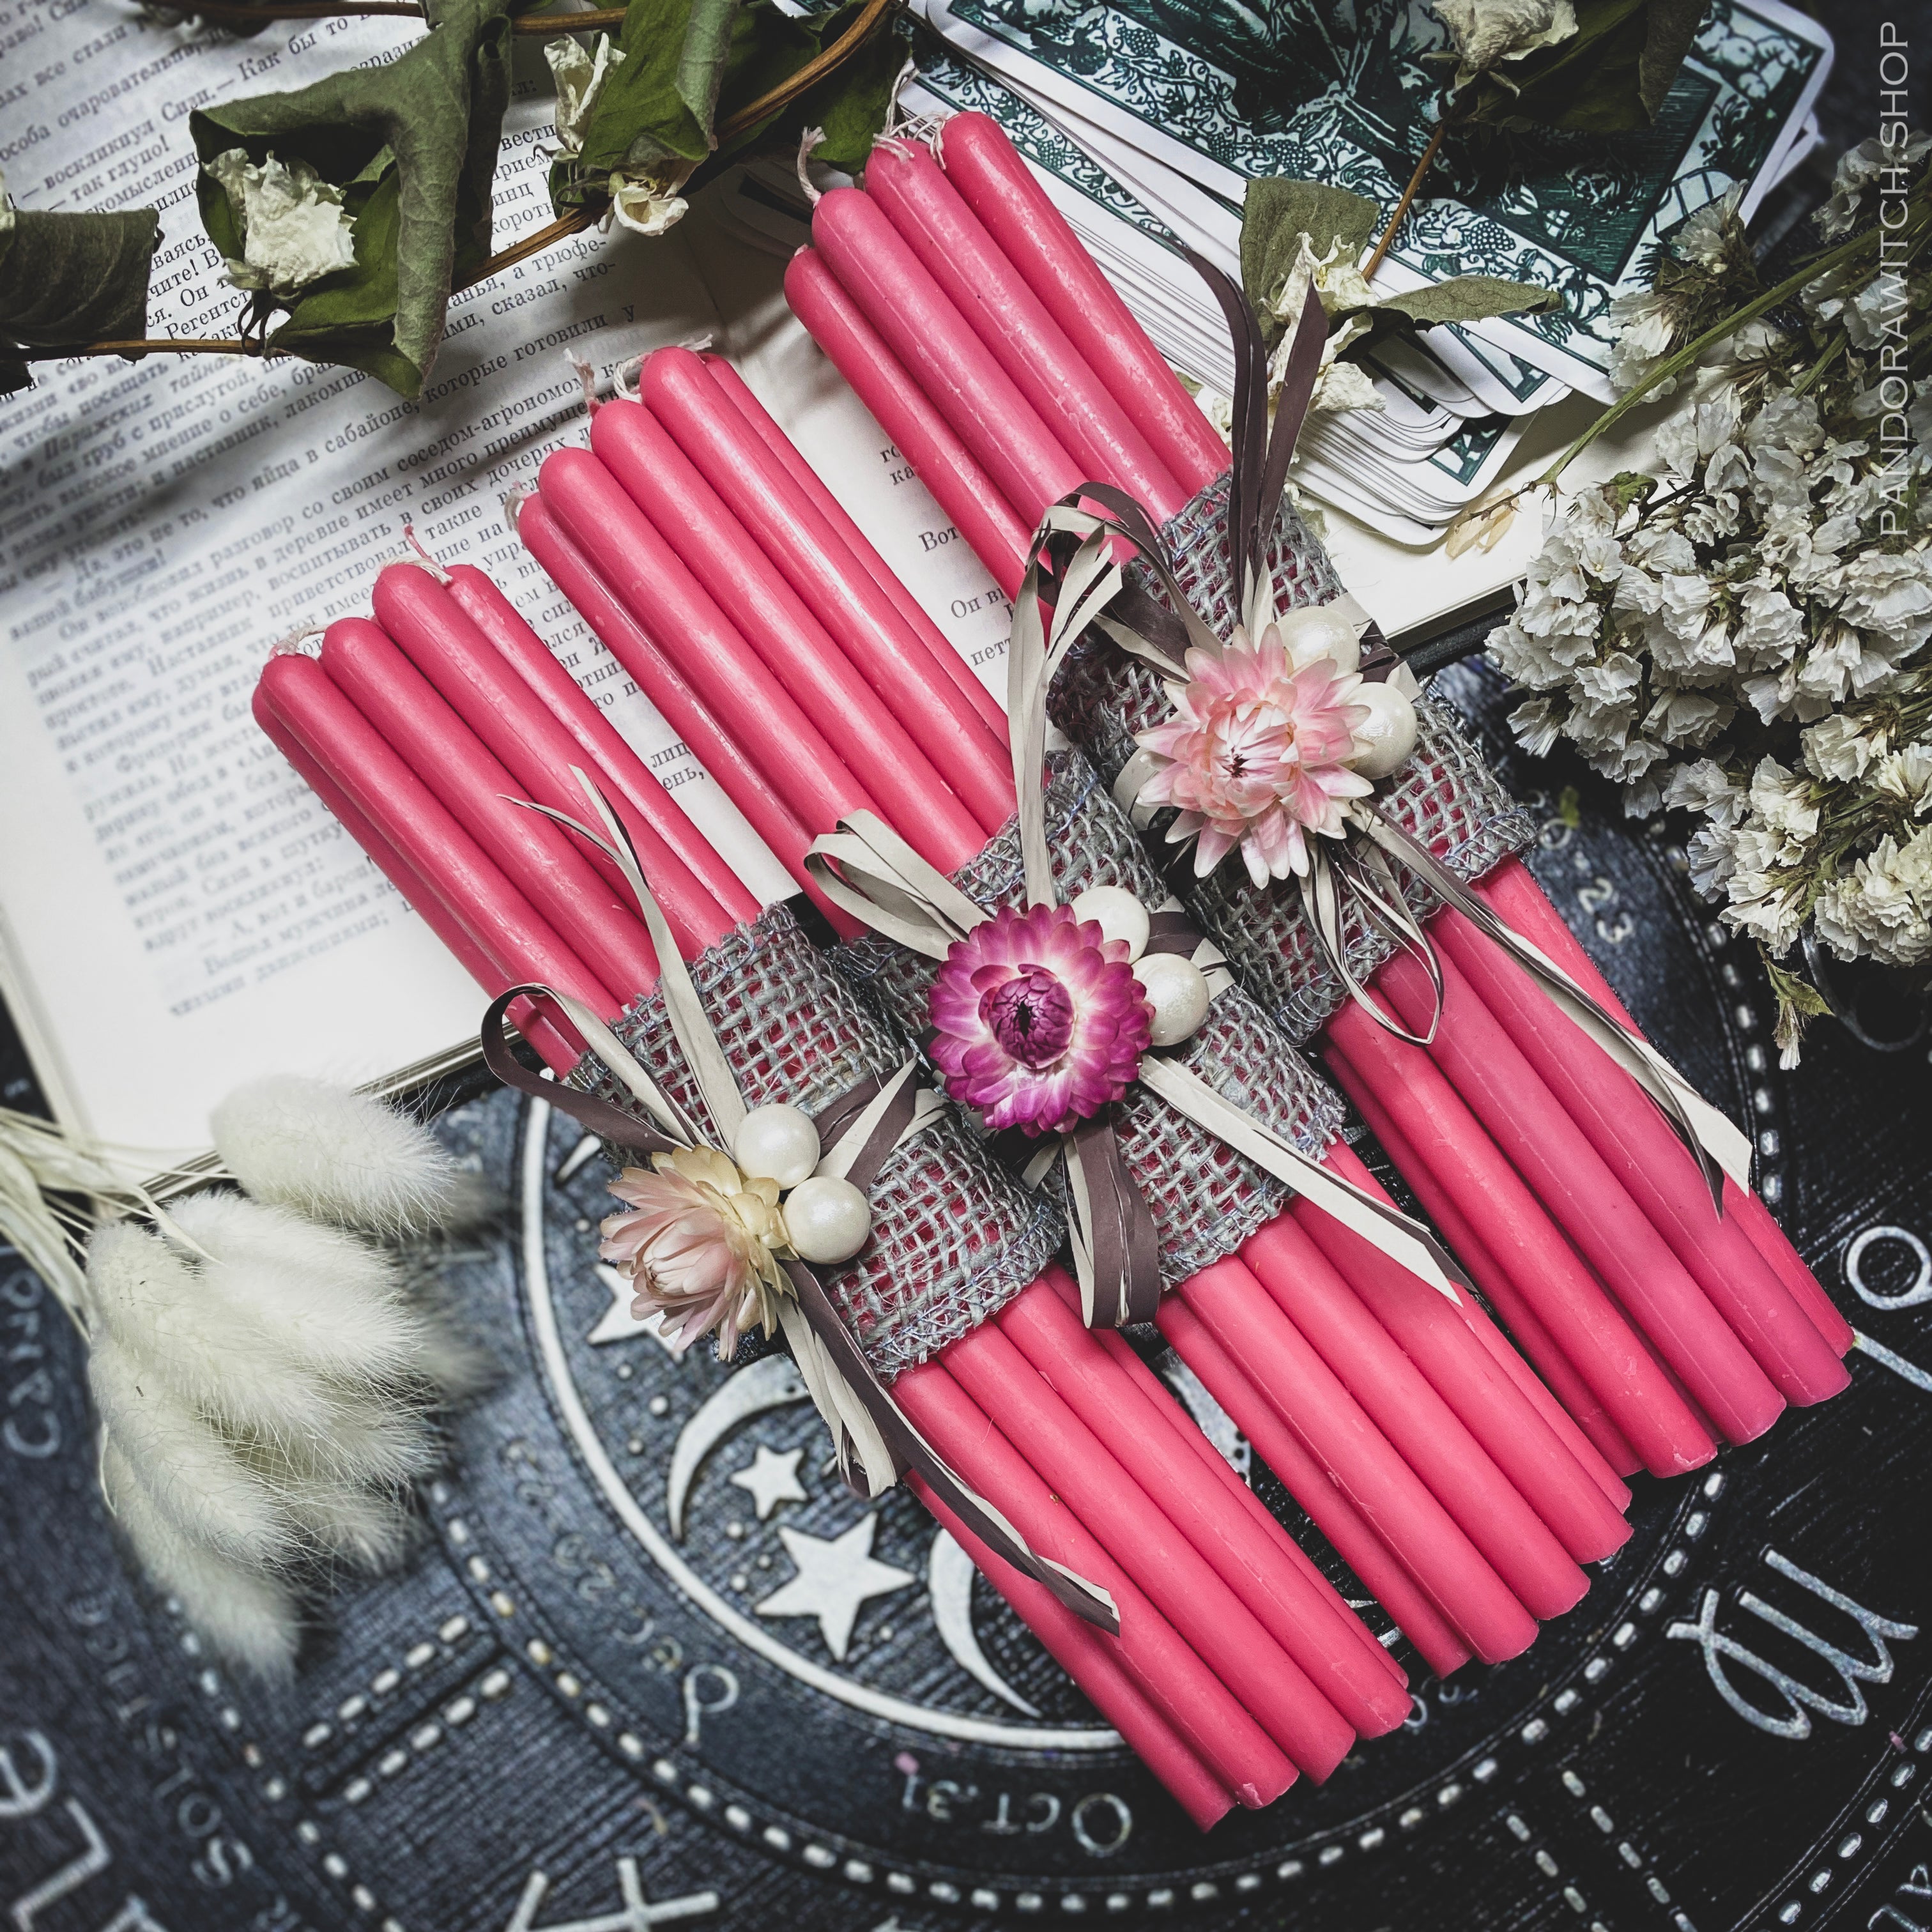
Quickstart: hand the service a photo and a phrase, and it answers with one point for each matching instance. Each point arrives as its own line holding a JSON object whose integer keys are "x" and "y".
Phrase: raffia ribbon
{"x": 876, "y": 1442}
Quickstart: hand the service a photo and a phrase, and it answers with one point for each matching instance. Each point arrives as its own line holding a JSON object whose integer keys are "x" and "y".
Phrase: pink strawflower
{"x": 1039, "y": 1020}
{"x": 700, "y": 1245}
{"x": 1257, "y": 755}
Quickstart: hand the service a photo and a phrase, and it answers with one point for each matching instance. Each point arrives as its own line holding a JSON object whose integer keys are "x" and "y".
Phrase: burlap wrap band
{"x": 954, "y": 1240}
{"x": 1206, "y": 1198}
{"x": 1445, "y": 797}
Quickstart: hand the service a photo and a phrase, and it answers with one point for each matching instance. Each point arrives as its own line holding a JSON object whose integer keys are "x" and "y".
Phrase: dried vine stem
{"x": 1408, "y": 195}
{"x": 747, "y": 117}
{"x": 230, "y": 13}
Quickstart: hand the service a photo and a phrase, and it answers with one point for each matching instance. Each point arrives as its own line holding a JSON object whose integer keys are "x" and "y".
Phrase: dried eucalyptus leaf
{"x": 1277, "y": 212}
{"x": 413, "y": 146}
{"x": 74, "y": 278}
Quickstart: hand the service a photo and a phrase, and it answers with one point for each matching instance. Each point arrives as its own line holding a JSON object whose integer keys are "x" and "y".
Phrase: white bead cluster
{"x": 826, "y": 1218}
{"x": 1388, "y": 736}
{"x": 1176, "y": 988}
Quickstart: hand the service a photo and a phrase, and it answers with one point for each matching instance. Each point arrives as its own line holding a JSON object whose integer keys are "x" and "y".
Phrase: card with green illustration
{"x": 1344, "y": 92}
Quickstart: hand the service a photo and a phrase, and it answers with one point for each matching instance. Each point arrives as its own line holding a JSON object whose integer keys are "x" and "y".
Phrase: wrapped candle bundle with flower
{"x": 784, "y": 1170}
{"x": 719, "y": 571}
{"x": 991, "y": 347}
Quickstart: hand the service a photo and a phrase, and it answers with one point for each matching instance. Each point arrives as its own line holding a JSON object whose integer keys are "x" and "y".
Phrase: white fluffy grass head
{"x": 341, "y": 1156}
{"x": 248, "y": 1614}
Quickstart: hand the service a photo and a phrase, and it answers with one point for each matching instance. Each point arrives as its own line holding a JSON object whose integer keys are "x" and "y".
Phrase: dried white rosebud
{"x": 294, "y": 228}
{"x": 6, "y": 207}
{"x": 645, "y": 206}
{"x": 1486, "y": 32}
{"x": 580, "y": 74}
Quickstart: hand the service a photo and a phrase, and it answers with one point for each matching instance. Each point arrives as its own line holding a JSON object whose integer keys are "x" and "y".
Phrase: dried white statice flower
{"x": 1747, "y": 635}
{"x": 580, "y": 74}
{"x": 295, "y": 229}
{"x": 1487, "y": 34}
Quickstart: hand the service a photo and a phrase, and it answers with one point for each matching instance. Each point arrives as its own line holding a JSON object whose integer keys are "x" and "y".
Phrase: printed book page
{"x": 178, "y": 913}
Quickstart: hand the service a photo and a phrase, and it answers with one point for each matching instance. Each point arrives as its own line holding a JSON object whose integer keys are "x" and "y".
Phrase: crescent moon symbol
{"x": 949, "y": 1578}
{"x": 771, "y": 1383}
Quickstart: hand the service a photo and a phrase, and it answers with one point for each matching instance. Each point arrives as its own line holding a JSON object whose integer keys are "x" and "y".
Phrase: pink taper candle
{"x": 1222, "y": 1632}
{"x": 1375, "y": 1283}
{"x": 949, "y": 239}
{"x": 811, "y": 488}
{"x": 1481, "y": 1394}
{"x": 784, "y": 635}
{"x": 854, "y": 606}
{"x": 981, "y": 162}
{"x": 1232, "y": 1384}
{"x": 560, "y": 1052}
{"x": 1638, "y": 1146}
{"x": 1203, "y": 1453}
{"x": 602, "y": 750}
{"x": 1589, "y": 1202}
{"x": 666, "y": 601}
{"x": 1419, "y": 1425}
{"x": 1578, "y": 1403}
{"x": 1382, "y": 1075}
{"x": 982, "y": 516}
{"x": 436, "y": 635}
{"x": 546, "y": 863}
{"x": 1088, "y": 1658}
{"x": 500, "y": 921}
{"x": 1200, "y": 1708}
{"x": 1359, "y": 1460}
{"x": 1515, "y": 896}
{"x": 1022, "y": 455}
{"x": 627, "y": 640}
{"x": 1303, "y": 1617}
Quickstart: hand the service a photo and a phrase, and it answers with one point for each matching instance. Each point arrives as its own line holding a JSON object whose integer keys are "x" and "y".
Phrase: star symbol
{"x": 617, "y": 1324}
{"x": 835, "y": 1576}
{"x": 771, "y": 1479}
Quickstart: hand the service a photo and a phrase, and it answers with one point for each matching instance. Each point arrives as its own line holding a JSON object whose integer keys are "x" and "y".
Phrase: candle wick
{"x": 809, "y": 140}
{"x": 422, "y": 559}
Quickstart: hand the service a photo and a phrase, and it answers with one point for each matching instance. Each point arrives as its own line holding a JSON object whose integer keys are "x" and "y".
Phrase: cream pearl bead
{"x": 827, "y": 1220}
{"x": 1320, "y": 630}
{"x": 1388, "y": 733}
{"x": 1177, "y": 990}
{"x": 1116, "y": 913}
{"x": 776, "y": 1143}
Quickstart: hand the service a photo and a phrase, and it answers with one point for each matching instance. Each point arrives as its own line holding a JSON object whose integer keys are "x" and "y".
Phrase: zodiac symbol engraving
{"x": 1800, "y": 1699}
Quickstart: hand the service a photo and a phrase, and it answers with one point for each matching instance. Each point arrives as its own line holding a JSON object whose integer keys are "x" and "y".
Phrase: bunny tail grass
{"x": 337, "y": 1156}
{"x": 249, "y": 1617}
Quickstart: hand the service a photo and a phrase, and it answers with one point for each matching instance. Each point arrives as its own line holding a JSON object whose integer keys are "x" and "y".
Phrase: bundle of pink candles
{"x": 990, "y": 346}
{"x": 1236, "y": 1665}
{"x": 723, "y": 576}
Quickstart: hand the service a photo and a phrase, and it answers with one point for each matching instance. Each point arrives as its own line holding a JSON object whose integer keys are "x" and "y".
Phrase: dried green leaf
{"x": 1611, "y": 76}
{"x": 76, "y": 278}
{"x": 413, "y": 145}
{"x": 643, "y": 123}
{"x": 1463, "y": 298}
{"x": 1278, "y": 209}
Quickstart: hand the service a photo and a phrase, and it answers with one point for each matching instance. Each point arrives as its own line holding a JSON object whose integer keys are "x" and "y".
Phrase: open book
{"x": 178, "y": 913}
